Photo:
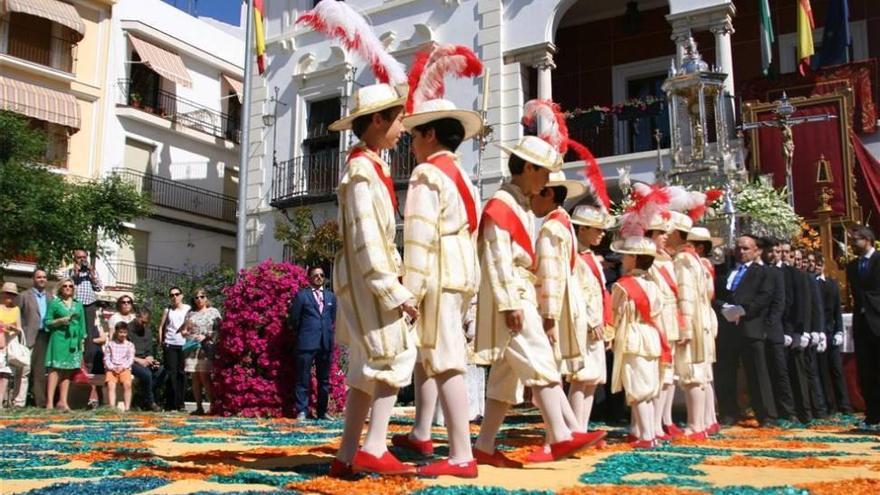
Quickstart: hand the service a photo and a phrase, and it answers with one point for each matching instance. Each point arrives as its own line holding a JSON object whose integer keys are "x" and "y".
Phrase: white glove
{"x": 823, "y": 340}
{"x": 787, "y": 340}
{"x": 804, "y": 342}
{"x": 814, "y": 338}
{"x": 823, "y": 346}
{"x": 837, "y": 339}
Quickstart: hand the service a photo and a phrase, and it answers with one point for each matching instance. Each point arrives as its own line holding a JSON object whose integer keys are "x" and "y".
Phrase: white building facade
{"x": 174, "y": 132}
{"x": 582, "y": 54}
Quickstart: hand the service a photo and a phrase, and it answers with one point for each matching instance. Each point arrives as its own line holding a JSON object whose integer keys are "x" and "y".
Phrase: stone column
{"x": 723, "y": 52}
{"x": 680, "y": 38}
{"x": 545, "y": 66}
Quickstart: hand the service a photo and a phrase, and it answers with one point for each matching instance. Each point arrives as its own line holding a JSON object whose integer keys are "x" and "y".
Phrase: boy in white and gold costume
{"x": 590, "y": 222}
{"x": 703, "y": 243}
{"x": 509, "y": 328}
{"x": 662, "y": 272}
{"x": 372, "y": 301}
{"x": 442, "y": 271}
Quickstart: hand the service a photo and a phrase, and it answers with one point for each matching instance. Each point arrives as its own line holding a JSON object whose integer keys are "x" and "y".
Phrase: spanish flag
{"x": 260, "y": 35}
{"x": 805, "y": 25}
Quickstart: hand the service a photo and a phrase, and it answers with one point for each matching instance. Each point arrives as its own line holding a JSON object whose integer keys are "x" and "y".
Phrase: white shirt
{"x": 174, "y": 322}
{"x": 733, "y": 273}
{"x": 869, "y": 253}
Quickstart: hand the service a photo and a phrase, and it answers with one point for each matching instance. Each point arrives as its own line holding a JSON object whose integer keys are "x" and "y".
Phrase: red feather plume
{"x": 426, "y": 77}
{"x": 647, "y": 202}
{"x": 557, "y": 135}
{"x": 592, "y": 172}
{"x": 713, "y": 195}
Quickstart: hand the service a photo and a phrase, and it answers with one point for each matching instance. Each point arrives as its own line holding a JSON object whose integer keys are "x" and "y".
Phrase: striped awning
{"x": 60, "y": 12}
{"x": 166, "y": 63}
{"x": 39, "y": 103}
{"x": 236, "y": 86}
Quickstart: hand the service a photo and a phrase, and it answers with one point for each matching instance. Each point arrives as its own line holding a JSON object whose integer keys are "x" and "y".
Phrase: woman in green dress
{"x": 65, "y": 319}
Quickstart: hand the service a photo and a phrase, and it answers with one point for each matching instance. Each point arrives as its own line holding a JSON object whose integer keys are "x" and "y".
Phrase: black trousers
{"x": 800, "y": 383}
{"x": 175, "y": 378}
{"x": 868, "y": 361}
{"x": 833, "y": 380}
{"x": 303, "y": 388}
{"x": 817, "y": 396}
{"x": 147, "y": 379}
{"x": 91, "y": 351}
{"x": 732, "y": 349}
{"x": 777, "y": 366}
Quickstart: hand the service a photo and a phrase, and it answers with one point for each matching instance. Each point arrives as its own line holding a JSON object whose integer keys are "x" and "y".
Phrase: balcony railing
{"x": 39, "y": 47}
{"x": 129, "y": 273}
{"x": 181, "y": 111}
{"x": 184, "y": 197}
{"x": 313, "y": 178}
{"x": 618, "y": 134}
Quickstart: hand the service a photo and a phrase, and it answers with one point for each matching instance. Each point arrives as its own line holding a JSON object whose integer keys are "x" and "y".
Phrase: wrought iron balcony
{"x": 184, "y": 197}
{"x": 129, "y": 273}
{"x": 180, "y": 111}
{"x": 628, "y": 131}
{"x": 313, "y": 178}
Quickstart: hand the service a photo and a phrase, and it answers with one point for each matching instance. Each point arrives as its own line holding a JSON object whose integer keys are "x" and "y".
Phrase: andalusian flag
{"x": 767, "y": 37}
{"x": 805, "y": 25}
{"x": 260, "y": 35}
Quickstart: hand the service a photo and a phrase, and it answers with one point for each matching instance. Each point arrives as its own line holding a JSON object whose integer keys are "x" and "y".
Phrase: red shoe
{"x": 673, "y": 431}
{"x": 662, "y": 438}
{"x": 539, "y": 455}
{"x": 700, "y": 435}
{"x": 601, "y": 445}
{"x": 387, "y": 464}
{"x": 444, "y": 468}
{"x": 713, "y": 429}
{"x": 496, "y": 459}
{"x": 593, "y": 437}
{"x": 424, "y": 447}
{"x": 630, "y": 438}
{"x": 339, "y": 469}
{"x": 567, "y": 448}
{"x": 642, "y": 444}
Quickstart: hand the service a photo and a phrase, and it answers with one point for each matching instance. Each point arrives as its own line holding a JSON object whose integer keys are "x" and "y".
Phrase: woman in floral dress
{"x": 201, "y": 327}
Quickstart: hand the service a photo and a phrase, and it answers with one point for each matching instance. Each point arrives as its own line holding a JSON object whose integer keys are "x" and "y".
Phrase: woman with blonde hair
{"x": 200, "y": 330}
{"x": 66, "y": 322}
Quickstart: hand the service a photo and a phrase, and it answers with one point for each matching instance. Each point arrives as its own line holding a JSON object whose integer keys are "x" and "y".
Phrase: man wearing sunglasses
{"x": 311, "y": 315}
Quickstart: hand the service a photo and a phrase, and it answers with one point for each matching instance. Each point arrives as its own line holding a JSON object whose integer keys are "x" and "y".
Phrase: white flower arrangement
{"x": 767, "y": 210}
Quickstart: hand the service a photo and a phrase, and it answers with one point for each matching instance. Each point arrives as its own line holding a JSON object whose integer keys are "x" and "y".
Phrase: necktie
{"x": 863, "y": 266}
{"x": 738, "y": 277}
{"x": 319, "y": 297}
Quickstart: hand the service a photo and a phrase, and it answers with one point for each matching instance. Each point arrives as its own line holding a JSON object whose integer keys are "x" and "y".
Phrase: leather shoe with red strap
{"x": 713, "y": 429}
{"x": 496, "y": 459}
{"x": 539, "y": 455}
{"x": 699, "y": 435}
{"x": 593, "y": 437}
{"x": 387, "y": 464}
{"x": 445, "y": 468}
{"x": 643, "y": 444}
{"x": 424, "y": 447}
{"x": 339, "y": 469}
{"x": 673, "y": 431}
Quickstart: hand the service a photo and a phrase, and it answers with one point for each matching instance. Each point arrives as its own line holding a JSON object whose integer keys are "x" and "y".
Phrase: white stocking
{"x": 669, "y": 392}
{"x": 357, "y": 405}
{"x": 376, "y": 441}
{"x": 454, "y": 400}
{"x": 495, "y": 413}
{"x": 426, "y": 404}
{"x": 644, "y": 414}
{"x": 696, "y": 405}
{"x": 548, "y": 400}
{"x": 710, "y": 416}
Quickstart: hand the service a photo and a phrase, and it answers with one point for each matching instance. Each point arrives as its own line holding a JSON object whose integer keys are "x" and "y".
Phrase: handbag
{"x": 190, "y": 346}
{"x": 17, "y": 354}
{"x": 81, "y": 376}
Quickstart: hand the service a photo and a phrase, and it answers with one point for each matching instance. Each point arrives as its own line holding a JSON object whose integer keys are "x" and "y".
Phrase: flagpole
{"x": 243, "y": 145}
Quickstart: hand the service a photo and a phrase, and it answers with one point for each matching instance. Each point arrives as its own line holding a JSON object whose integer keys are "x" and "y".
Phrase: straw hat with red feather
{"x": 649, "y": 204}
{"x": 339, "y": 21}
{"x": 425, "y": 102}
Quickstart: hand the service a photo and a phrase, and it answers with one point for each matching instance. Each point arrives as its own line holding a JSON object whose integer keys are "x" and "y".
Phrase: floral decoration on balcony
{"x": 633, "y": 108}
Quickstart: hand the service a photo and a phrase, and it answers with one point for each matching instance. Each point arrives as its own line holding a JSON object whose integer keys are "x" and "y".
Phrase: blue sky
{"x": 224, "y": 10}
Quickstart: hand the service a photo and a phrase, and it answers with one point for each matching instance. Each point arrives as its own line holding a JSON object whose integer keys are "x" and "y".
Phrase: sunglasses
{"x": 202, "y": 297}
{"x": 174, "y": 294}
{"x": 124, "y": 302}
{"x": 67, "y": 286}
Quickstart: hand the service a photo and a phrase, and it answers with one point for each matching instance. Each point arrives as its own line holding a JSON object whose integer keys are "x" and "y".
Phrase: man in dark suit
{"x": 830, "y": 361}
{"x": 817, "y": 329}
{"x": 798, "y": 322}
{"x": 311, "y": 315}
{"x": 863, "y": 275}
{"x": 777, "y": 363}
{"x": 33, "y": 303}
{"x": 741, "y": 301}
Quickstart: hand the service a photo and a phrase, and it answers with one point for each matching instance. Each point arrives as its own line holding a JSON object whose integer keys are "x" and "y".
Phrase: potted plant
{"x": 136, "y": 100}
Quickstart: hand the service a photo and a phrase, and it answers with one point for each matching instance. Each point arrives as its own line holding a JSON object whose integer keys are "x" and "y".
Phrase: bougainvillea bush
{"x": 254, "y": 366}
{"x": 254, "y": 372}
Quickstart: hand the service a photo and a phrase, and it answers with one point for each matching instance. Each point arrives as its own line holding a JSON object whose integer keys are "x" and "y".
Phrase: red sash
{"x": 360, "y": 152}
{"x": 643, "y": 306}
{"x": 674, "y": 288}
{"x": 504, "y": 217}
{"x": 445, "y": 164}
{"x": 561, "y": 217}
{"x": 607, "y": 314}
